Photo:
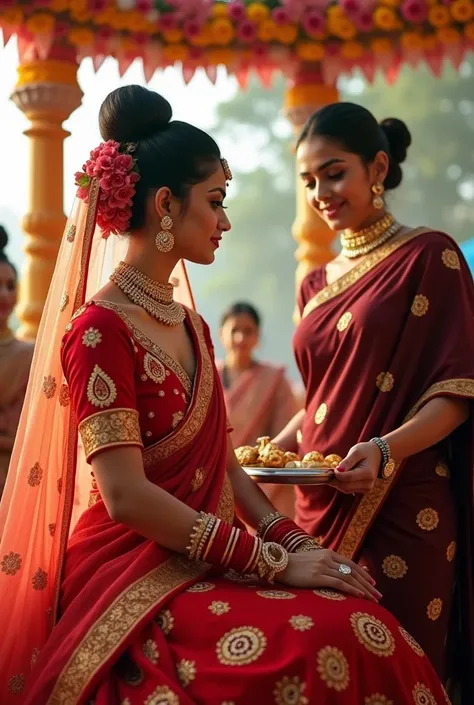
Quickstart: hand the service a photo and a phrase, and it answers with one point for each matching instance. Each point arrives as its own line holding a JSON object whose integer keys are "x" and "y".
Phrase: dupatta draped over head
{"x": 48, "y": 484}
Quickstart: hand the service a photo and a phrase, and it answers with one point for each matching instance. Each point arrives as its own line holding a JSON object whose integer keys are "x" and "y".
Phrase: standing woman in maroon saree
{"x": 159, "y": 596}
{"x": 386, "y": 350}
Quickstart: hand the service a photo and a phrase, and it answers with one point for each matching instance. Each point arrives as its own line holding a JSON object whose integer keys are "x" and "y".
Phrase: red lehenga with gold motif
{"x": 373, "y": 348}
{"x": 139, "y": 625}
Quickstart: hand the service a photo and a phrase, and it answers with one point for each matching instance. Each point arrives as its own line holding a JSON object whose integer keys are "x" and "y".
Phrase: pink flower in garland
{"x": 246, "y": 31}
{"x": 414, "y": 11}
{"x": 97, "y": 5}
{"x": 144, "y": 6}
{"x": 280, "y": 16}
{"x": 141, "y": 38}
{"x": 350, "y": 7}
{"x": 364, "y": 21}
{"x": 191, "y": 28}
{"x": 167, "y": 21}
{"x": 117, "y": 175}
{"x": 236, "y": 11}
{"x": 313, "y": 22}
{"x": 105, "y": 33}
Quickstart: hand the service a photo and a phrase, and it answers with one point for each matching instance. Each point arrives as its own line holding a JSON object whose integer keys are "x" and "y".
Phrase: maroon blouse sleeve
{"x": 99, "y": 365}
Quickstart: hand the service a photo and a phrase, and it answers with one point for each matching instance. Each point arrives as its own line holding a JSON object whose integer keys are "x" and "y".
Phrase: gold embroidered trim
{"x": 149, "y": 345}
{"x": 196, "y": 413}
{"x": 112, "y": 628}
{"x": 115, "y": 427}
{"x": 226, "y": 504}
{"x": 370, "y": 503}
{"x": 353, "y": 275}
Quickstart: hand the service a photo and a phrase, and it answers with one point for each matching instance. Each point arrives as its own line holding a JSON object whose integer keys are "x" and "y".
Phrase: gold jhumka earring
{"x": 378, "y": 190}
{"x": 164, "y": 240}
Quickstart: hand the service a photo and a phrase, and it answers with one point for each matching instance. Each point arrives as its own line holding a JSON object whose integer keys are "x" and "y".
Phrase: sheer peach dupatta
{"x": 48, "y": 484}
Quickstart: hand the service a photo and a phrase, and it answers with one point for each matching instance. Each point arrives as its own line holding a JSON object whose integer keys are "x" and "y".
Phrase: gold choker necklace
{"x": 362, "y": 242}
{"x": 155, "y": 298}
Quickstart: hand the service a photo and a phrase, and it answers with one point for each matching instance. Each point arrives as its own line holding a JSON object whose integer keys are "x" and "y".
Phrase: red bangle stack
{"x": 278, "y": 528}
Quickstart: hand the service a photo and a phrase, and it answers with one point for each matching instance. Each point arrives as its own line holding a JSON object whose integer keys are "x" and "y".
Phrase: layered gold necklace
{"x": 362, "y": 242}
{"x": 155, "y": 298}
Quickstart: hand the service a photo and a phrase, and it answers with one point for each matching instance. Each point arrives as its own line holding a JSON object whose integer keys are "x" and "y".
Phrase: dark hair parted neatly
{"x": 3, "y": 244}
{"x": 242, "y": 308}
{"x": 357, "y": 131}
{"x": 169, "y": 153}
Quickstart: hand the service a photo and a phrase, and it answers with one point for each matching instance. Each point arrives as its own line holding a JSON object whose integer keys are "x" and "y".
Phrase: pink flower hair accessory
{"x": 114, "y": 167}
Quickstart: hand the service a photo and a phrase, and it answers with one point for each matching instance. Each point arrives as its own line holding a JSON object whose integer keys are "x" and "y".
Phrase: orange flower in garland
{"x": 352, "y": 50}
{"x": 411, "y": 41}
{"x": 266, "y": 32}
{"x": 41, "y": 23}
{"x": 222, "y": 31}
{"x": 462, "y": 10}
{"x": 286, "y": 34}
{"x": 469, "y": 31}
{"x": 448, "y": 36}
{"x": 381, "y": 46}
{"x": 257, "y": 12}
{"x": 310, "y": 51}
{"x": 385, "y": 18}
{"x": 439, "y": 16}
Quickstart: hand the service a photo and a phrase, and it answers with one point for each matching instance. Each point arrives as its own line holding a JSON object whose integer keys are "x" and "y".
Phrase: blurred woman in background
{"x": 258, "y": 396}
{"x": 15, "y": 362}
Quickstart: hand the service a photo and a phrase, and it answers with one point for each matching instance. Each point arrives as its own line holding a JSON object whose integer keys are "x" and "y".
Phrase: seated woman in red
{"x": 160, "y": 596}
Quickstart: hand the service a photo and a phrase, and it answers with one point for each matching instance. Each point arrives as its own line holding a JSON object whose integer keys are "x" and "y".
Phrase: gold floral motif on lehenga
{"x": 16, "y": 683}
{"x": 101, "y": 389}
{"x": 301, "y": 623}
{"x": 198, "y": 479}
{"x": 186, "y": 671}
{"x": 411, "y": 641}
{"x": 219, "y": 608}
{"x": 115, "y": 427}
{"x": 163, "y": 695}
{"x": 11, "y": 563}
{"x": 201, "y": 587}
{"x": 329, "y": 594}
{"x": 385, "y": 381}
{"x": 434, "y": 608}
{"x": 377, "y": 699}
{"x": 344, "y": 321}
{"x": 333, "y": 668}
{"x": 442, "y": 469}
{"x": 290, "y": 691}
{"x": 241, "y": 646}
{"x": 276, "y": 594}
{"x": 49, "y": 386}
{"x": 394, "y": 567}
{"x": 117, "y": 622}
{"x": 373, "y": 634}
{"x": 150, "y": 649}
{"x": 35, "y": 475}
{"x": 420, "y": 305}
{"x": 370, "y": 503}
{"x": 422, "y": 695}
{"x": 451, "y": 551}
{"x": 427, "y": 519}
{"x": 165, "y": 621}
{"x": 39, "y": 580}
{"x": 154, "y": 369}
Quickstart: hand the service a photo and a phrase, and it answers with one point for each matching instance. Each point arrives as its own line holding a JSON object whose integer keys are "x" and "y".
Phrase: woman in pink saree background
{"x": 259, "y": 398}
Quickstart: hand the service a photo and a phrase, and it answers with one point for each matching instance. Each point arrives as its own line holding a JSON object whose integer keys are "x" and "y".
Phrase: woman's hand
{"x": 359, "y": 469}
{"x": 320, "y": 569}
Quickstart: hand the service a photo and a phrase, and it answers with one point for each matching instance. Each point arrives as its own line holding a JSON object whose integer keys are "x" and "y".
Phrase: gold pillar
{"x": 305, "y": 94}
{"x": 47, "y": 92}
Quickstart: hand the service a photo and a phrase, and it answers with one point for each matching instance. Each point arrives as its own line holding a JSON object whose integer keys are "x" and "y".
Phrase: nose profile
{"x": 225, "y": 224}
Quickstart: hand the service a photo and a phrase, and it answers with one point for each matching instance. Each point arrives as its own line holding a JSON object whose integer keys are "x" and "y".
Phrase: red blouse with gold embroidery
{"x": 125, "y": 390}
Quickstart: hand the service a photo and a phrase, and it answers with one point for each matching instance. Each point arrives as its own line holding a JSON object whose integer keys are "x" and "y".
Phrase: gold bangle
{"x": 195, "y": 535}
{"x": 273, "y": 559}
{"x": 211, "y": 539}
{"x": 210, "y": 520}
{"x": 308, "y": 545}
{"x": 267, "y": 521}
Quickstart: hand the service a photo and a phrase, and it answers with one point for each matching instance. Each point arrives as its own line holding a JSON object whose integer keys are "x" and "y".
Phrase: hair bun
{"x": 398, "y": 136}
{"x": 3, "y": 238}
{"x": 133, "y": 113}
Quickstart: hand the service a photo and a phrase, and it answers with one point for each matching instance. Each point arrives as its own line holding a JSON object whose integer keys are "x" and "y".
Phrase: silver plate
{"x": 290, "y": 476}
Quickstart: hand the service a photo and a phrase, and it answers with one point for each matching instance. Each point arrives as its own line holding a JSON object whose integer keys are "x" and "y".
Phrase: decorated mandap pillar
{"x": 47, "y": 92}
{"x": 305, "y": 94}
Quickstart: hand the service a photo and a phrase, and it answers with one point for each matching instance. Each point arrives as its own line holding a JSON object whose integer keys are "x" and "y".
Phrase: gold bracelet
{"x": 273, "y": 559}
{"x": 195, "y": 536}
{"x": 210, "y": 521}
{"x": 211, "y": 539}
{"x": 267, "y": 521}
{"x": 308, "y": 545}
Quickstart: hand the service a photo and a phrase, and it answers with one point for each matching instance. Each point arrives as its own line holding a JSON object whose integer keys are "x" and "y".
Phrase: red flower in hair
{"x": 116, "y": 173}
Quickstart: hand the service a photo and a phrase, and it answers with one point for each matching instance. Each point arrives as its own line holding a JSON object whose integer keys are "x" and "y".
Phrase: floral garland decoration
{"x": 117, "y": 173}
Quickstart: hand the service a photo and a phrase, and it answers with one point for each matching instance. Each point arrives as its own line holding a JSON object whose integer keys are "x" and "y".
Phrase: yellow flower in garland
{"x": 411, "y": 41}
{"x": 81, "y": 37}
{"x": 381, "y": 46}
{"x": 438, "y": 16}
{"x": 12, "y": 16}
{"x": 222, "y": 31}
{"x": 41, "y": 23}
{"x": 310, "y": 51}
{"x": 219, "y": 9}
{"x": 257, "y": 12}
{"x": 173, "y": 36}
{"x": 385, "y": 19}
{"x": 469, "y": 31}
{"x": 352, "y": 50}
{"x": 81, "y": 16}
{"x": 448, "y": 36}
{"x": 204, "y": 38}
{"x": 287, "y": 33}
{"x": 341, "y": 26}
{"x": 266, "y": 32}
{"x": 175, "y": 52}
{"x": 462, "y": 10}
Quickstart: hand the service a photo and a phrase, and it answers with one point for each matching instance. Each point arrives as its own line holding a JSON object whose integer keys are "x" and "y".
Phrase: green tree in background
{"x": 257, "y": 263}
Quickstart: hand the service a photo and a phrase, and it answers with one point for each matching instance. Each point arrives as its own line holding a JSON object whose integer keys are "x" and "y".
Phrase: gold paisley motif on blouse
{"x": 106, "y": 429}
{"x": 241, "y": 646}
{"x": 333, "y": 668}
{"x": 394, "y": 567}
{"x": 101, "y": 389}
{"x": 290, "y": 691}
{"x": 154, "y": 369}
{"x": 373, "y": 634}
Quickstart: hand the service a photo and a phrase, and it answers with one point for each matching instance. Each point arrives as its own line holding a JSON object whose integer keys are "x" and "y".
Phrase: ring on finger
{"x": 345, "y": 569}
